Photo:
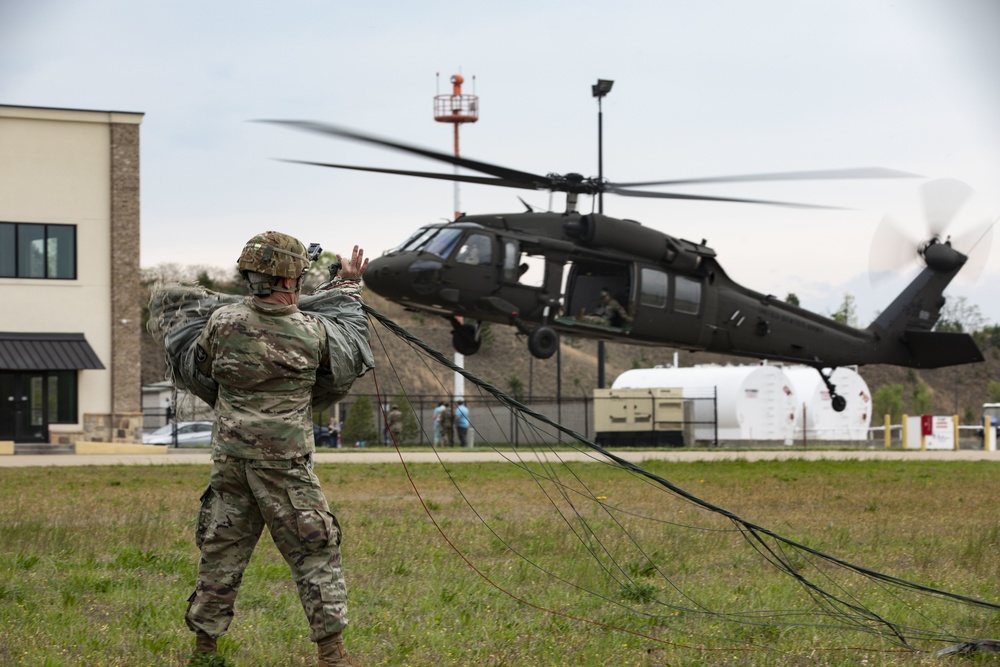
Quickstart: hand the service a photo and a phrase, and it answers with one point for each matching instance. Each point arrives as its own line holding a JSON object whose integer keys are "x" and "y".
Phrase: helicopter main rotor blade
{"x": 481, "y": 180}
{"x": 829, "y": 174}
{"x": 535, "y": 181}
{"x": 672, "y": 195}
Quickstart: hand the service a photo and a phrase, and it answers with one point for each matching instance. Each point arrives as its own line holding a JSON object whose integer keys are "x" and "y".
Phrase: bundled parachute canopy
{"x": 178, "y": 314}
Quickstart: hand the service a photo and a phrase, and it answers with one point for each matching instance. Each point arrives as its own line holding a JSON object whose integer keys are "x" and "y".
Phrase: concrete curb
{"x": 175, "y": 456}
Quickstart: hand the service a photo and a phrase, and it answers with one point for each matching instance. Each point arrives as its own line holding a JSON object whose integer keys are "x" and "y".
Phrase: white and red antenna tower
{"x": 457, "y": 109}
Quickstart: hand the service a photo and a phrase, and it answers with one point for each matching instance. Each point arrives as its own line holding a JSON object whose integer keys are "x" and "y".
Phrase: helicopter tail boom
{"x": 905, "y": 329}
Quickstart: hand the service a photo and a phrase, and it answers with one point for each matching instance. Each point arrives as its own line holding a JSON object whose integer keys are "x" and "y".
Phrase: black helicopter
{"x": 670, "y": 291}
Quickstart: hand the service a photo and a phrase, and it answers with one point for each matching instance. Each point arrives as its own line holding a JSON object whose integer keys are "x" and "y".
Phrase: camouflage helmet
{"x": 274, "y": 254}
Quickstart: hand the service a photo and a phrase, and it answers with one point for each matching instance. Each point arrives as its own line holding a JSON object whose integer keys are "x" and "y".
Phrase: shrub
{"x": 360, "y": 423}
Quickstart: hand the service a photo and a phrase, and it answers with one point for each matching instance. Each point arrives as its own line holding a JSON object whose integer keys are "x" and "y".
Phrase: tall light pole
{"x": 599, "y": 90}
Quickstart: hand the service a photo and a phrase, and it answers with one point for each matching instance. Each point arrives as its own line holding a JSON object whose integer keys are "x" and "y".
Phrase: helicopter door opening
{"x": 523, "y": 276}
{"x": 600, "y": 293}
{"x": 522, "y": 268}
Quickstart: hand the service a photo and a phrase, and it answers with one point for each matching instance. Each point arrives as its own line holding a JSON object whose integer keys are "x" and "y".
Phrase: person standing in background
{"x": 462, "y": 423}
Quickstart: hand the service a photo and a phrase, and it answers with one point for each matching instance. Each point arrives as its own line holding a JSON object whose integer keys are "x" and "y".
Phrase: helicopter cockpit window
{"x": 477, "y": 250}
{"x": 653, "y": 288}
{"x": 687, "y": 295}
{"x": 416, "y": 240}
{"x": 442, "y": 244}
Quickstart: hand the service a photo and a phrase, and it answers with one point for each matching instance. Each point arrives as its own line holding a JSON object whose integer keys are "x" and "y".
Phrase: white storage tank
{"x": 753, "y": 402}
{"x": 822, "y": 422}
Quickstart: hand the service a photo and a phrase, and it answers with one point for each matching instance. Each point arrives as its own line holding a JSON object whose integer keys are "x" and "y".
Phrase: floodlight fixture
{"x": 602, "y": 87}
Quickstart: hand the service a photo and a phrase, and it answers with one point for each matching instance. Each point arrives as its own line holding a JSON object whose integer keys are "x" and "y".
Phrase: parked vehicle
{"x": 189, "y": 434}
{"x": 321, "y": 434}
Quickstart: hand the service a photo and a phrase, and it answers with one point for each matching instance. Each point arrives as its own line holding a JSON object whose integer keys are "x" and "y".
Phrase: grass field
{"x": 519, "y": 564}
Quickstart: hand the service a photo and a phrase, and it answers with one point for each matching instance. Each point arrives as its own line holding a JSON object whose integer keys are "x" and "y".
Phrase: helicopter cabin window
{"x": 477, "y": 251}
{"x": 443, "y": 243}
{"x": 687, "y": 295}
{"x": 653, "y": 288}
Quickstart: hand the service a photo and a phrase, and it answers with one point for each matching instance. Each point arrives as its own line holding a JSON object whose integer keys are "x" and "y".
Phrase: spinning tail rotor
{"x": 896, "y": 247}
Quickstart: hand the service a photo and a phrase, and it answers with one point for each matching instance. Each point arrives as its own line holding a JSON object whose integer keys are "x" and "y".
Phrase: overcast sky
{"x": 702, "y": 88}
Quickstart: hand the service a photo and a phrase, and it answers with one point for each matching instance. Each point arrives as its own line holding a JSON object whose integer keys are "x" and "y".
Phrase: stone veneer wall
{"x": 126, "y": 310}
{"x": 121, "y": 428}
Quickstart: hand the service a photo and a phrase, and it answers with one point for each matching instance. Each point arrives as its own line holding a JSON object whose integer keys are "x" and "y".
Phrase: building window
{"x": 31, "y": 250}
{"x": 62, "y": 397}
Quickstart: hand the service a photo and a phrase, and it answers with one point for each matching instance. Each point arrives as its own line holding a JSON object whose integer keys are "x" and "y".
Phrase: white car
{"x": 188, "y": 434}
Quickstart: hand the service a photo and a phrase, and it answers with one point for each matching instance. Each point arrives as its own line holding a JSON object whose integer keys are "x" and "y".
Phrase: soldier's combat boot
{"x": 203, "y": 646}
{"x": 333, "y": 654}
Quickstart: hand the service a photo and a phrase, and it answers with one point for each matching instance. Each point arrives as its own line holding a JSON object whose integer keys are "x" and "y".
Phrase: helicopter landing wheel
{"x": 465, "y": 339}
{"x": 838, "y": 402}
{"x": 543, "y": 342}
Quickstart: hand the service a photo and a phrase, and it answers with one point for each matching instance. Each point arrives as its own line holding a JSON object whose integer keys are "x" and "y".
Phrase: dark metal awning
{"x": 46, "y": 352}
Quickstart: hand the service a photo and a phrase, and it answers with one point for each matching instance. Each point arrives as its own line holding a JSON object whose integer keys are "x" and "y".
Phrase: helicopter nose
{"x": 379, "y": 274}
{"x": 405, "y": 276}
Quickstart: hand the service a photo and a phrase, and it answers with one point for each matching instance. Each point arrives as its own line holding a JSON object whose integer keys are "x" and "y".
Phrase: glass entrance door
{"x": 22, "y": 407}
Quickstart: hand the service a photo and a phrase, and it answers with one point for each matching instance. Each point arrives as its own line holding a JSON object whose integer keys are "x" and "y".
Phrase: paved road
{"x": 481, "y": 455}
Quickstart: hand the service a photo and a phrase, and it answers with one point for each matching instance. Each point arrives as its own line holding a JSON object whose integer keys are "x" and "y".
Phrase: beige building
{"x": 69, "y": 275}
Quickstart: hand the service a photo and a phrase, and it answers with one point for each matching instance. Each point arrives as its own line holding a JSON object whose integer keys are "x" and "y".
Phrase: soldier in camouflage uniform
{"x": 448, "y": 424}
{"x": 394, "y": 420}
{"x": 266, "y": 356}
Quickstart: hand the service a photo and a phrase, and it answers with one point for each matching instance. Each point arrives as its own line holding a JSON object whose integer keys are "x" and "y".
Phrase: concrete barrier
{"x": 6, "y": 447}
{"x": 84, "y": 447}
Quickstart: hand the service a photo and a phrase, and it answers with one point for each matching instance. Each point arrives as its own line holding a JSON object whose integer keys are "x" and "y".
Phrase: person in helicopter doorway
{"x": 608, "y": 312}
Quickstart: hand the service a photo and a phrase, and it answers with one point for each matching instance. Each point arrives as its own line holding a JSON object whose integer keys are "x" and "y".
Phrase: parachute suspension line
{"x": 583, "y": 539}
{"x": 485, "y": 577}
{"x": 535, "y": 477}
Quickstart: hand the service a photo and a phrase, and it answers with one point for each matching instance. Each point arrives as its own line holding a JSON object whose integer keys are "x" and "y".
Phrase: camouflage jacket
{"x": 263, "y": 367}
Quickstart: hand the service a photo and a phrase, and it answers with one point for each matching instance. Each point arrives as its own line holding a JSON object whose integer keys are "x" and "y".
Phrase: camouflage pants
{"x": 244, "y": 496}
